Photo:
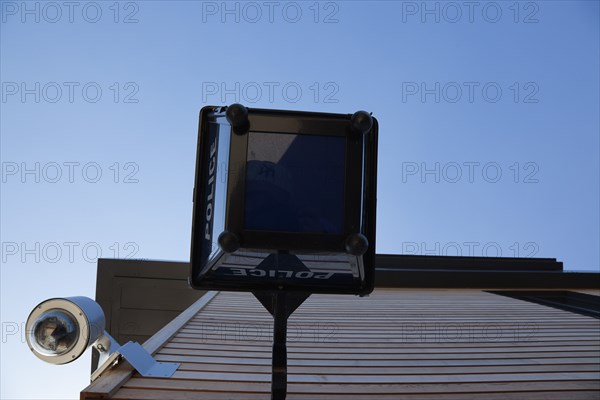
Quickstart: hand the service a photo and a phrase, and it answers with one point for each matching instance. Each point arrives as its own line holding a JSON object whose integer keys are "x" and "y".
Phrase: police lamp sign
{"x": 295, "y": 208}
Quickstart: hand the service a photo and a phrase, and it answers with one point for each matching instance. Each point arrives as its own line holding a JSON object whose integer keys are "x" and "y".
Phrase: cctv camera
{"x": 59, "y": 330}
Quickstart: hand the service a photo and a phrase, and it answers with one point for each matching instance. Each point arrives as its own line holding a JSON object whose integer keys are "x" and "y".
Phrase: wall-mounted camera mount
{"x": 60, "y": 330}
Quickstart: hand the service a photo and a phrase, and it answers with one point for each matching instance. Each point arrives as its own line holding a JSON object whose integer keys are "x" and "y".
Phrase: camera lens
{"x": 54, "y": 333}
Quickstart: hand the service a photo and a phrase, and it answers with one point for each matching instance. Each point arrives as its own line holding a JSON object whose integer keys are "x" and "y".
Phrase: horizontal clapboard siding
{"x": 394, "y": 344}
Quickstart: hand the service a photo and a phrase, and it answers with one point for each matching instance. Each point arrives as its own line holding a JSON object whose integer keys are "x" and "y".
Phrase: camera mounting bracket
{"x": 134, "y": 354}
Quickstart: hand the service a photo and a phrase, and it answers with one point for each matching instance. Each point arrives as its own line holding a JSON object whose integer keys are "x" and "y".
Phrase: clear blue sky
{"x": 488, "y": 113}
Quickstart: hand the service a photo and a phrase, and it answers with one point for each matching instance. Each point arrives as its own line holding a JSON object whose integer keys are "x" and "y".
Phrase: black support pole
{"x": 279, "y": 376}
{"x": 280, "y": 305}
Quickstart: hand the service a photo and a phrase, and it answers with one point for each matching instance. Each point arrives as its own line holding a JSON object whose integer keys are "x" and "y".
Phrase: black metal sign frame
{"x": 209, "y": 250}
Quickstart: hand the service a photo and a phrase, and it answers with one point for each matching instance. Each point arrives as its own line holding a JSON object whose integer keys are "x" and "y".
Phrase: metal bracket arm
{"x": 111, "y": 353}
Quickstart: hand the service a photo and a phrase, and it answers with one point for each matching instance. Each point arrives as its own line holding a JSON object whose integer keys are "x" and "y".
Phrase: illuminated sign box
{"x": 284, "y": 200}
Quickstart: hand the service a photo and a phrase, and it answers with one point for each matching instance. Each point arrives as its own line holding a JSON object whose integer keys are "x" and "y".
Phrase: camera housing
{"x": 284, "y": 200}
{"x": 59, "y": 330}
